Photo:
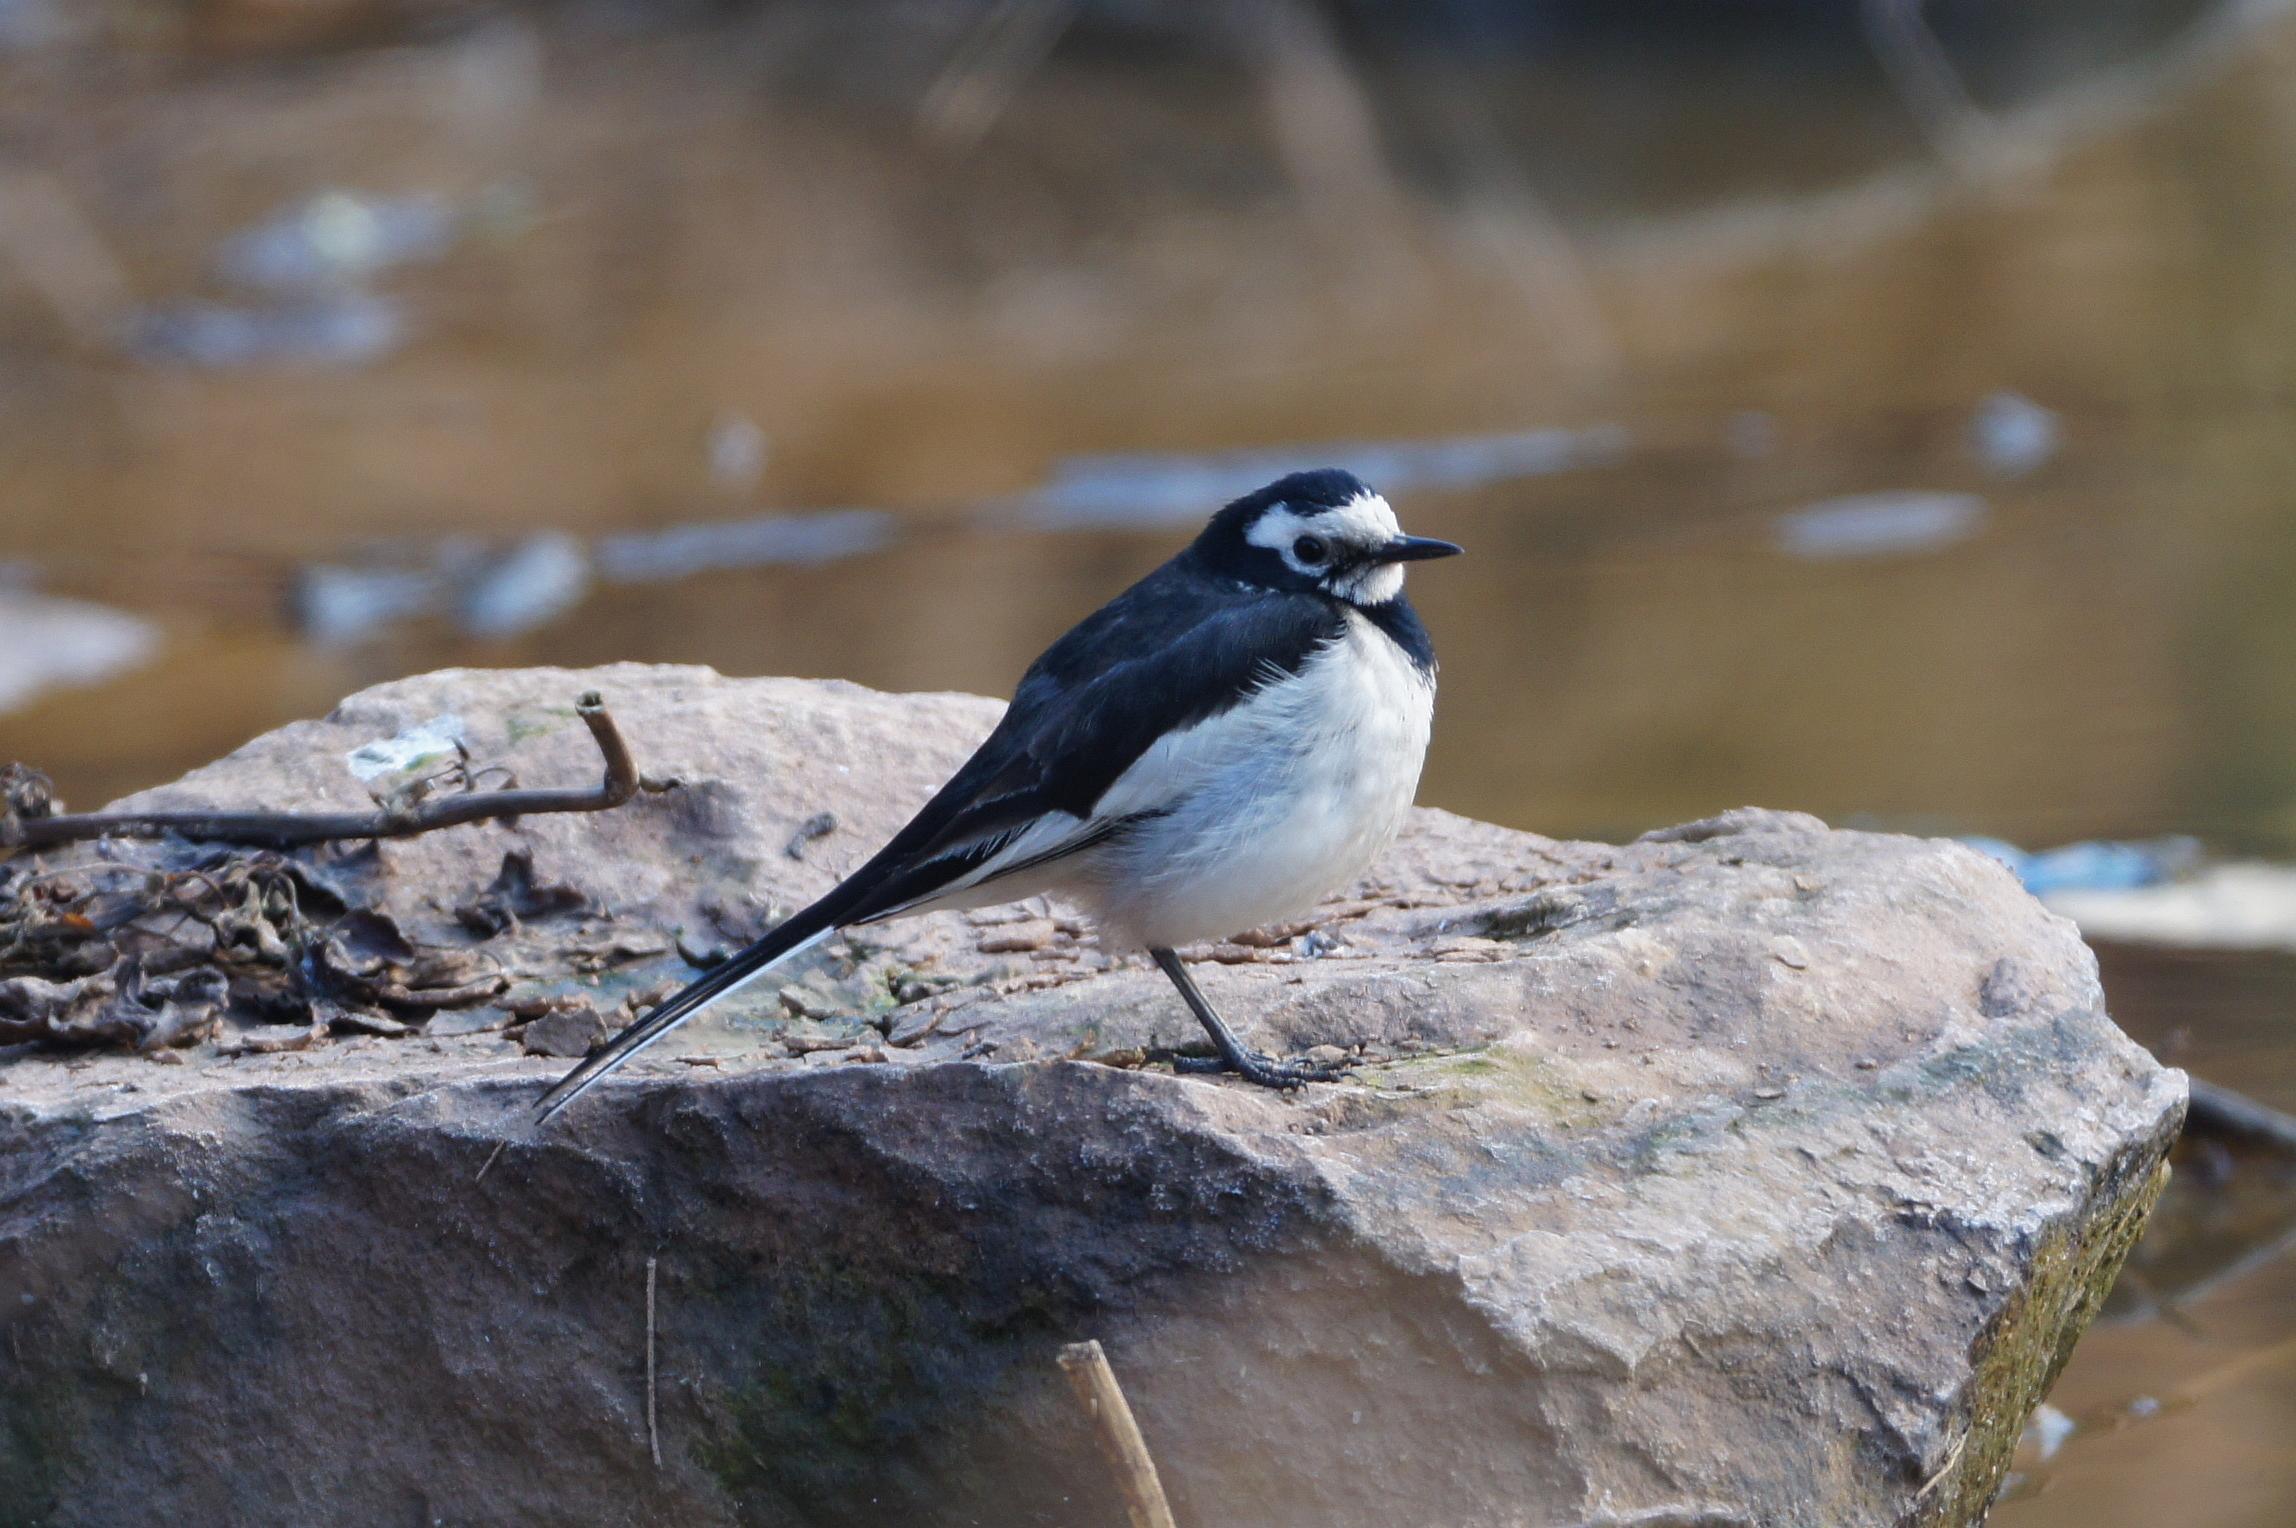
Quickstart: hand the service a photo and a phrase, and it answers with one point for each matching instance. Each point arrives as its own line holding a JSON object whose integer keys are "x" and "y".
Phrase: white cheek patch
{"x": 1278, "y": 527}
{"x": 1363, "y": 521}
{"x": 1375, "y": 585}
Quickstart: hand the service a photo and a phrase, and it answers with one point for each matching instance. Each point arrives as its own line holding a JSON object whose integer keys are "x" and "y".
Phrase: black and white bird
{"x": 1215, "y": 749}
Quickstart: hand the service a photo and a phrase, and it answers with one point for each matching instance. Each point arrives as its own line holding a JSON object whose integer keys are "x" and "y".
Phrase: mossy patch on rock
{"x": 2026, "y": 1346}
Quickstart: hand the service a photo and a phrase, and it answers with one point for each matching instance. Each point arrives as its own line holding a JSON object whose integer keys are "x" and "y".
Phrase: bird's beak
{"x": 1415, "y": 549}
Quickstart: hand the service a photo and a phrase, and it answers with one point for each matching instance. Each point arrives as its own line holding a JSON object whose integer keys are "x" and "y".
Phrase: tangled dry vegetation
{"x": 157, "y": 946}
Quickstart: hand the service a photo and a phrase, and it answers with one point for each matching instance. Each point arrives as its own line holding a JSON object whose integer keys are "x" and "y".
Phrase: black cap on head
{"x": 1303, "y": 492}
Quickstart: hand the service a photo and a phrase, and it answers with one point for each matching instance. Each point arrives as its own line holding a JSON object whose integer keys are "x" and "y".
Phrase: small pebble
{"x": 819, "y": 825}
{"x": 566, "y": 1033}
{"x": 467, "y": 1021}
{"x": 808, "y": 1004}
{"x": 809, "y": 1040}
{"x": 916, "y": 986}
{"x": 909, "y": 1028}
{"x": 700, "y": 956}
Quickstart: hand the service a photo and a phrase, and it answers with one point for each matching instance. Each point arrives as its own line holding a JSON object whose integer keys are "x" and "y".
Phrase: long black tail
{"x": 794, "y": 934}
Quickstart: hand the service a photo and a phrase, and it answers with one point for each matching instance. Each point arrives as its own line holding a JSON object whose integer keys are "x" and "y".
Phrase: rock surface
{"x": 1751, "y": 1173}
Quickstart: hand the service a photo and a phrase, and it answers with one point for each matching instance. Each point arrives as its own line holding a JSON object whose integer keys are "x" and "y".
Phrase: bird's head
{"x": 1320, "y": 532}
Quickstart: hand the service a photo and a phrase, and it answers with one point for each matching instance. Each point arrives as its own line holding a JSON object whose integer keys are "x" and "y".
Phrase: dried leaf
{"x": 516, "y": 894}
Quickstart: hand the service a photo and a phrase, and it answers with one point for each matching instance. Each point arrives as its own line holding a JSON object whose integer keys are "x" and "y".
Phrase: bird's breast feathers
{"x": 1253, "y": 814}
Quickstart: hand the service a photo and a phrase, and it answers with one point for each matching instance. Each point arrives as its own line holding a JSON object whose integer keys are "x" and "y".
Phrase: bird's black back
{"x": 1176, "y": 648}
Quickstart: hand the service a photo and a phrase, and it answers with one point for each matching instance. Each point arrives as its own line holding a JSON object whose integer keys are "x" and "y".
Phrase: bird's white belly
{"x": 1270, "y": 805}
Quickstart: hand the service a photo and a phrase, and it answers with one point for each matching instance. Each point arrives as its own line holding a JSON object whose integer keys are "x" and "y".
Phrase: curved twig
{"x": 2218, "y": 1108}
{"x": 281, "y": 830}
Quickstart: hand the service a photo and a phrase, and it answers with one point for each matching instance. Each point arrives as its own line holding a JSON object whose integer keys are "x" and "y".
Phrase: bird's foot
{"x": 1263, "y": 1070}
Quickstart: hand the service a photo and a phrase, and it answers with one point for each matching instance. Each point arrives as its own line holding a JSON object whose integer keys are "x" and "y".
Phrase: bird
{"x": 1213, "y": 750}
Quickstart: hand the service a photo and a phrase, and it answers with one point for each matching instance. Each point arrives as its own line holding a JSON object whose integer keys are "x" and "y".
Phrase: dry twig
{"x": 653, "y": 1417}
{"x": 1095, "y": 1385}
{"x": 280, "y": 830}
{"x": 2218, "y": 1108}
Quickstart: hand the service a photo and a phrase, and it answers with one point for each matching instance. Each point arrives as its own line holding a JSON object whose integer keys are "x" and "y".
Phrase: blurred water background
{"x": 1881, "y": 409}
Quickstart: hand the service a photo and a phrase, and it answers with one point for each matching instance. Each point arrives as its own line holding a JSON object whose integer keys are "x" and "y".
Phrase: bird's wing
{"x": 1174, "y": 650}
{"x": 1154, "y": 662}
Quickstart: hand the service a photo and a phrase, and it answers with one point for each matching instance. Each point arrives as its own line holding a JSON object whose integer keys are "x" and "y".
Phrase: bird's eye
{"x": 1310, "y": 550}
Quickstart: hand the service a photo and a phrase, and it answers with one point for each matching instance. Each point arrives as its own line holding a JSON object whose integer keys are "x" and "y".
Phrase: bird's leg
{"x": 1248, "y": 1064}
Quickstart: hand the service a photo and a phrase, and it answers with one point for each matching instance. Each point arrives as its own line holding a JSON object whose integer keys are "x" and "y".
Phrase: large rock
{"x": 1751, "y": 1173}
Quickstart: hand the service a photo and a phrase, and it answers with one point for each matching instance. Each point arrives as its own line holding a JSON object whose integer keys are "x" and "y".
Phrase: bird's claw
{"x": 1263, "y": 1070}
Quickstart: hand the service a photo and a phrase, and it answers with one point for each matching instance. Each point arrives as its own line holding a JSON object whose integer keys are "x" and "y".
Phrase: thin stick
{"x": 2218, "y": 1108}
{"x": 280, "y": 830}
{"x": 1095, "y": 1385}
{"x": 653, "y": 1417}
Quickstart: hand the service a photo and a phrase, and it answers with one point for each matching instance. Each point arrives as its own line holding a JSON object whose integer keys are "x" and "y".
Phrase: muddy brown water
{"x": 1924, "y": 472}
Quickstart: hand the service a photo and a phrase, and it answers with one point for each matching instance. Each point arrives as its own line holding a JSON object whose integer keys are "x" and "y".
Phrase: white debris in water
{"x": 329, "y": 329}
{"x": 338, "y": 237}
{"x": 312, "y": 262}
{"x": 1149, "y": 489}
{"x": 2048, "y": 1430}
{"x": 539, "y": 579}
{"x": 1879, "y": 524}
{"x": 48, "y": 643}
{"x": 762, "y": 541}
{"x": 423, "y": 745}
{"x": 2012, "y": 435}
{"x": 736, "y": 449}
{"x": 497, "y": 592}
{"x": 338, "y": 604}
{"x": 2244, "y": 905}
